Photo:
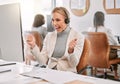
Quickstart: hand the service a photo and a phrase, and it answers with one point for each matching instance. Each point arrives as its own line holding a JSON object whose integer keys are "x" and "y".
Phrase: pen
{"x": 5, "y": 71}
{"x": 7, "y": 64}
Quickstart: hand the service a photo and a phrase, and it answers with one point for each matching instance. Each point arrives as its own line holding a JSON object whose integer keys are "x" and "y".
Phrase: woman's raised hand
{"x": 72, "y": 44}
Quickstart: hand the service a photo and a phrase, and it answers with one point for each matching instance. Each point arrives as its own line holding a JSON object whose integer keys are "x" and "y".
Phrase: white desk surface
{"x": 14, "y": 77}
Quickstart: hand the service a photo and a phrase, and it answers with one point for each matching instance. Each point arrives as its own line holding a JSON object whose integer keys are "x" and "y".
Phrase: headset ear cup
{"x": 67, "y": 21}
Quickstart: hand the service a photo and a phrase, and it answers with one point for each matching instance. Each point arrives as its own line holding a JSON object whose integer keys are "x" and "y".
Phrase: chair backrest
{"x": 99, "y": 49}
{"x": 83, "y": 60}
{"x": 38, "y": 39}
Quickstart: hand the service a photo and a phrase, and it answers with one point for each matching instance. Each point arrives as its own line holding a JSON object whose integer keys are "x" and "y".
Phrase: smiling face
{"x": 58, "y": 21}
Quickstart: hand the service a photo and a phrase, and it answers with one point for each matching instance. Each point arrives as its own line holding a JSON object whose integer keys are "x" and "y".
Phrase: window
{"x": 79, "y": 7}
{"x": 112, "y": 6}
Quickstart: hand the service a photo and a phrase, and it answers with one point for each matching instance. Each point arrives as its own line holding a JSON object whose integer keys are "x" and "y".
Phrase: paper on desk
{"x": 19, "y": 80}
{"x": 35, "y": 73}
{"x": 53, "y": 76}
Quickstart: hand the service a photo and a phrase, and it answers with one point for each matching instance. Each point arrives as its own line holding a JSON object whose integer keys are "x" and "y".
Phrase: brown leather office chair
{"x": 83, "y": 60}
{"x": 38, "y": 39}
{"x": 100, "y": 52}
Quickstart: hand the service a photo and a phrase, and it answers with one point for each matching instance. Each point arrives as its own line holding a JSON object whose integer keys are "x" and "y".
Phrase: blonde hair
{"x": 63, "y": 11}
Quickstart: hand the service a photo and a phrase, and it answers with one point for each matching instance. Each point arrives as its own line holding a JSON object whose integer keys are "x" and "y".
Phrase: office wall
{"x": 10, "y": 32}
{"x": 82, "y": 23}
{"x": 50, "y": 27}
{"x": 79, "y": 23}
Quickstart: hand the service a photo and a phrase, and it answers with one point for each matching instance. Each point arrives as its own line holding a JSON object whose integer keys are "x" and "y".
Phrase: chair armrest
{"x": 115, "y": 46}
{"x": 115, "y": 61}
{"x": 82, "y": 70}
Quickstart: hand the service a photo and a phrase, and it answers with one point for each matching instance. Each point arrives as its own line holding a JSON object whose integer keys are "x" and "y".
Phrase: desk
{"x": 14, "y": 77}
{"x": 118, "y": 49}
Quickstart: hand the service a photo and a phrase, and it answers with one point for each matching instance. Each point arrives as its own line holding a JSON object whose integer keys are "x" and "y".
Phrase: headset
{"x": 67, "y": 20}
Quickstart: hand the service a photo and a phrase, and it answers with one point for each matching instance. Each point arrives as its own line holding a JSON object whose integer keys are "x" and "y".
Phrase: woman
{"x": 37, "y": 25}
{"x": 99, "y": 27}
{"x": 62, "y": 48}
